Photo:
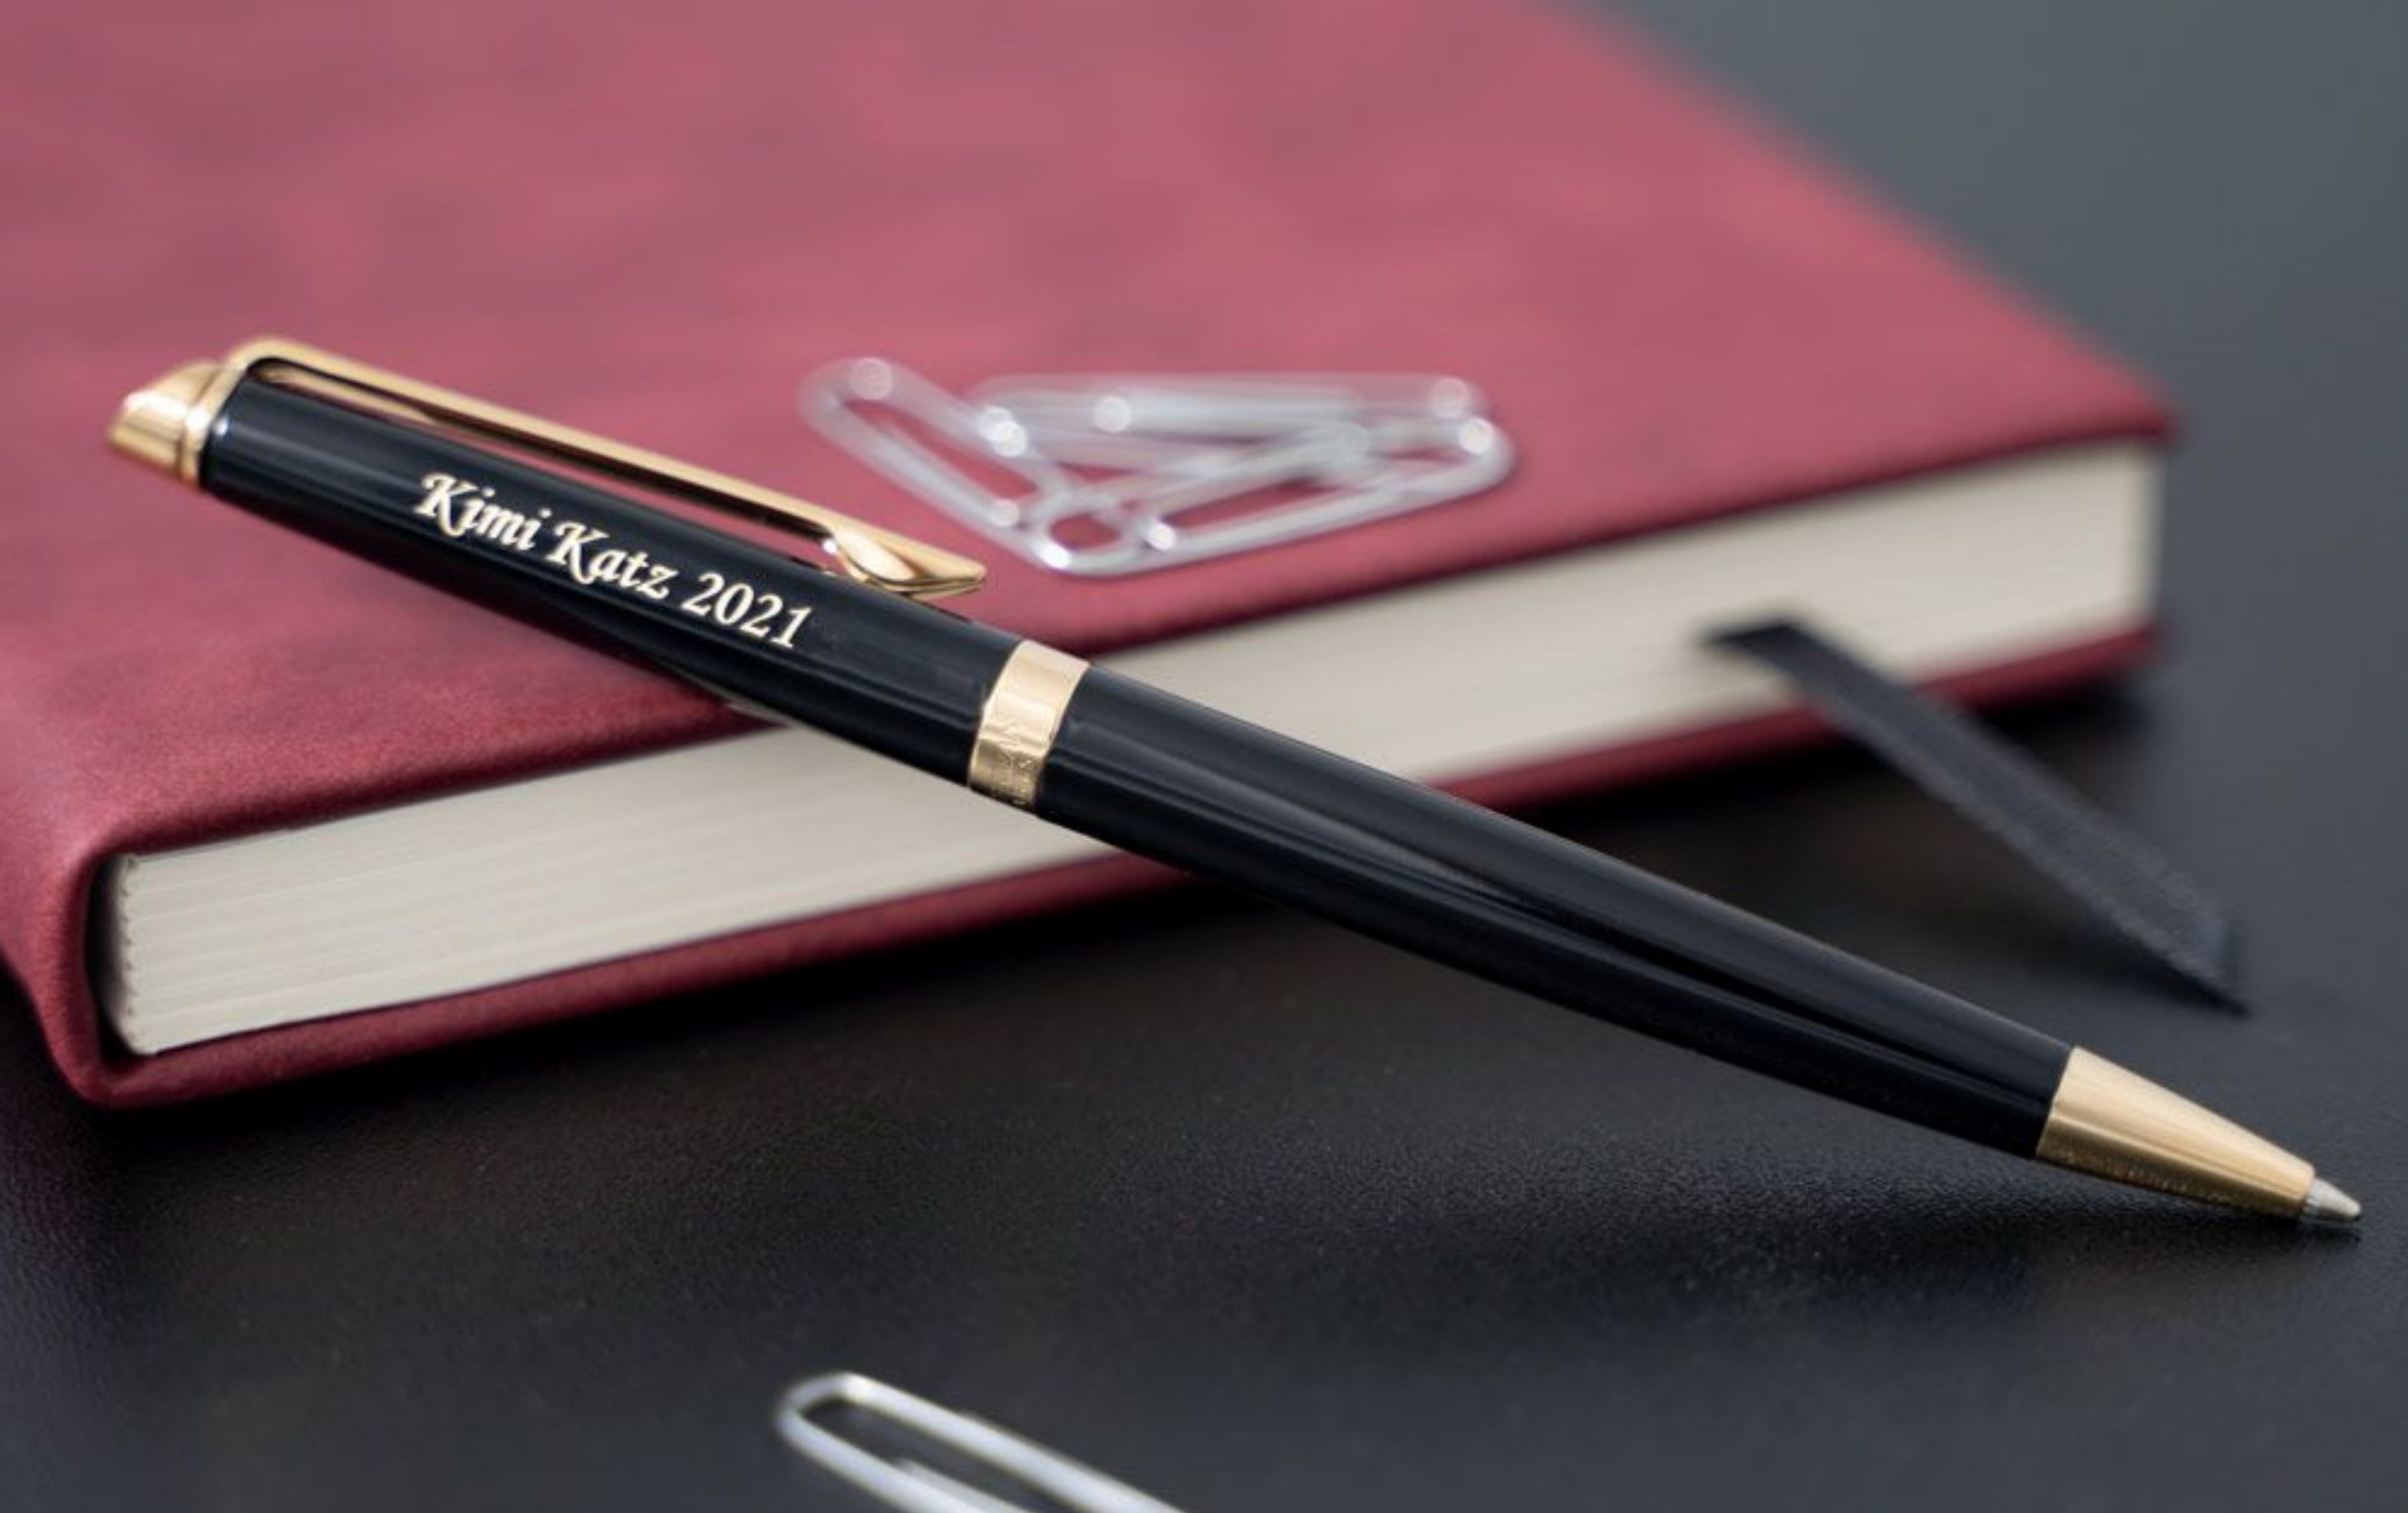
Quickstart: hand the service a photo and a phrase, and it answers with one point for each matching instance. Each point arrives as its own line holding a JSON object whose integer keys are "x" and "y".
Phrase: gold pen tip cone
{"x": 2328, "y": 1204}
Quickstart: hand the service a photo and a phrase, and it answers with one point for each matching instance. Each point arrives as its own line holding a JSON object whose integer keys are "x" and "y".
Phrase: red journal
{"x": 1678, "y": 316}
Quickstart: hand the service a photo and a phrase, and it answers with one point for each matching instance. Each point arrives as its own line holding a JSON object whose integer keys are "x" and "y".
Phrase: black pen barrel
{"x": 761, "y": 629}
{"x": 1402, "y": 863}
{"x": 1135, "y": 767}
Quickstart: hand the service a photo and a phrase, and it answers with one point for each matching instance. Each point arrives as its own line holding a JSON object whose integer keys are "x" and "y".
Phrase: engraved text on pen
{"x": 459, "y": 509}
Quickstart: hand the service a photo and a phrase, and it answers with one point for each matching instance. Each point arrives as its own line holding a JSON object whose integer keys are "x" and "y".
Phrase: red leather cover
{"x": 653, "y": 232}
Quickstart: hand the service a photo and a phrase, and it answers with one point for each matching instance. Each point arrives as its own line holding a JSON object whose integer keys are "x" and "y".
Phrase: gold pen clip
{"x": 167, "y": 424}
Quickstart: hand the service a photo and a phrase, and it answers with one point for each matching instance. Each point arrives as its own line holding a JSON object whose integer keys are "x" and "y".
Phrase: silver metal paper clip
{"x": 915, "y": 1488}
{"x": 1104, "y": 475}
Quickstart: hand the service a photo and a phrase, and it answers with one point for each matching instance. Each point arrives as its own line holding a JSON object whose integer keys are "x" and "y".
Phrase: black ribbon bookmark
{"x": 2081, "y": 848}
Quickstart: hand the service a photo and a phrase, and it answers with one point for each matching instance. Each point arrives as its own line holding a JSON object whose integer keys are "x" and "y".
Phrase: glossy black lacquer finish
{"x": 1170, "y": 779}
{"x": 1151, "y": 774}
{"x": 902, "y": 679}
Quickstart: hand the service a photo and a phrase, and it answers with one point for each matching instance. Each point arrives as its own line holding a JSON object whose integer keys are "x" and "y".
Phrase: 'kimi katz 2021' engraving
{"x": 585, "y": 553}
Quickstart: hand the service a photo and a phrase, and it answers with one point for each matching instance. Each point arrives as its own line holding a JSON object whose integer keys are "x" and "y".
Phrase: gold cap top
{"x": 164, "y": 423}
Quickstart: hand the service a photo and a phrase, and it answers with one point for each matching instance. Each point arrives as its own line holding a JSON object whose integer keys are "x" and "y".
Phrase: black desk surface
{"x": 1263, "y": 1218}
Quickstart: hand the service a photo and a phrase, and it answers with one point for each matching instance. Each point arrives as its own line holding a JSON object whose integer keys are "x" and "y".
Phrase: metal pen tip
{"x": 2329, "y": 1204}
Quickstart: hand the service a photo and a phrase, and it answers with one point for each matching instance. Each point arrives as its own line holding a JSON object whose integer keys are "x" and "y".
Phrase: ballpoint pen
{"x": 513, "y": 513}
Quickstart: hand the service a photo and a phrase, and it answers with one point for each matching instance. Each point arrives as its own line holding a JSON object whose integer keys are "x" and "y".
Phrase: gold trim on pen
{"x": 2112, "y": 1123}
{"x": 167, "y": 425}
{"x": 1022, "y": 716}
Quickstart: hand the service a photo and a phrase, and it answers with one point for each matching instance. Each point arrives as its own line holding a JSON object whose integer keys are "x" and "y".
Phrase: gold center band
{"x": 1023, "y": 715}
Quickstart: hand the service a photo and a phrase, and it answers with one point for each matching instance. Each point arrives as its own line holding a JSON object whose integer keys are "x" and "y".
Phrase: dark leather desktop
{"x": 1260, "y": 1217}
